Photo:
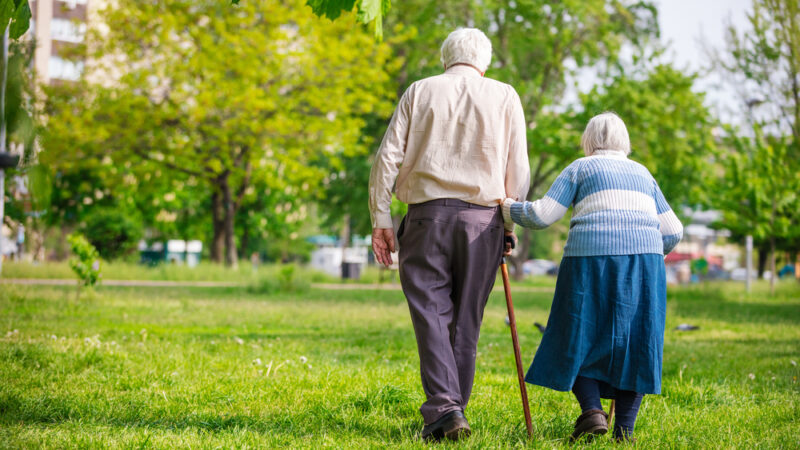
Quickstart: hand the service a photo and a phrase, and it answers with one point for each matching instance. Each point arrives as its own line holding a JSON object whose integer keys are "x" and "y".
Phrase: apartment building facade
{"x": 58, "y": 27}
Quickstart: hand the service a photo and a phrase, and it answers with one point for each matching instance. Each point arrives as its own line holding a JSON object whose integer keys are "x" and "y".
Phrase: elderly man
{"x": 456, "y": 147}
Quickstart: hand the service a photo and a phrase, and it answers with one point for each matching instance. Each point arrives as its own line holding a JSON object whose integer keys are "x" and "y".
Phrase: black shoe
{"x": 592, "y": 422}
{"x": 452, "y": 425}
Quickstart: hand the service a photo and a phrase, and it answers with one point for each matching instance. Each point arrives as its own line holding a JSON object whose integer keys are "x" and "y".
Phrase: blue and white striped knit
{"x": 618, "y": 208}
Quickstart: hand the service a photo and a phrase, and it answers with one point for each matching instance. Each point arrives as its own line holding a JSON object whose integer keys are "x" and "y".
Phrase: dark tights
{"x": 587, "y": 391}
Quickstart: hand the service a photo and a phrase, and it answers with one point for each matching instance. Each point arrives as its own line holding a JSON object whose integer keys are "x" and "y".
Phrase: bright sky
{"x": 689, "y": 25}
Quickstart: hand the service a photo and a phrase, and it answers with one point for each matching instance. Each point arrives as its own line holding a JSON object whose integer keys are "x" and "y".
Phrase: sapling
{"x": 85, "y": 262}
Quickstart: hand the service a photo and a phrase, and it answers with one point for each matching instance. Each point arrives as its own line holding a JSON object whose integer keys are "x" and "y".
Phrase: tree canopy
{"x": 231, "y": 108}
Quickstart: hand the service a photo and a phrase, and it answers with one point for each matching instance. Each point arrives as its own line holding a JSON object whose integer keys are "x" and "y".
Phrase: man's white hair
{"x": 605, "y": 131}
{"x": 468, "y": 46}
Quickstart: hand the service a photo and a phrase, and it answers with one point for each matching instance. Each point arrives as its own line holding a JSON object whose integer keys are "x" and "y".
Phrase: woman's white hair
{"x": 468, "y": 46}
{"x": 605, "y": 131}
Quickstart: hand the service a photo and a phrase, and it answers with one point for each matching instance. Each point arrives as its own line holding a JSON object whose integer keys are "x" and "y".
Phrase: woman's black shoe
{"x": 593, "y": 422}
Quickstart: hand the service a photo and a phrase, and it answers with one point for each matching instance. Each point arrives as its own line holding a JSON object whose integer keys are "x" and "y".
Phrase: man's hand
{"x": 508, "y": 246}
{"x": 383, "y": 245}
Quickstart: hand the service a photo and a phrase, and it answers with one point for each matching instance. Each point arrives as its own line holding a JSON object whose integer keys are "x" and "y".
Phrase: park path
{"x": 150, "y": 283}
{"x": 134, "y": 283}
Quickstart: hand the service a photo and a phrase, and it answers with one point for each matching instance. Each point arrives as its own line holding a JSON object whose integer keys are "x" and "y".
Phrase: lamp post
{"x": 6, "y": 160}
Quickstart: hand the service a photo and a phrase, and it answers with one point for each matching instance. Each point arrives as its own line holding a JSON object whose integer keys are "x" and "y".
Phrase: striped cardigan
{"x": 618, "y": 208}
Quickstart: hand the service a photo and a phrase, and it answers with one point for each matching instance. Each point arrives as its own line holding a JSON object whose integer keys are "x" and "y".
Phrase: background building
{"x": 58, "y": 28}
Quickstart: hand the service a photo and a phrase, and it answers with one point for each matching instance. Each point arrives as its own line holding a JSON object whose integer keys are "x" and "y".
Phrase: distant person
{"x": 255, "y": 261}
{"x": 456, "y": 147}
{"x": 605, "y": 334}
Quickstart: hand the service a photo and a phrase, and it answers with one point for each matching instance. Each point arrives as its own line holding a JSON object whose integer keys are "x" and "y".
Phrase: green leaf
{"x": 7, "y": 10}
{"x": 22, "y": 20}
{"x": 372, "y": 10}
{"x": 369, "y": 10}
{"x": 331, "y": 9}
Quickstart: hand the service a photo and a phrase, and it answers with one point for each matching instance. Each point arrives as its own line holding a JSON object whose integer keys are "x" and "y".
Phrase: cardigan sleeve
{"x": 549, "y": 209}
{"x": 671, "y": 227}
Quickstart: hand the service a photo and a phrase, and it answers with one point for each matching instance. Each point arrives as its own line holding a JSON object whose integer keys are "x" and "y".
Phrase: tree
{"x": 763, "y": 65}
{"x": 758, "y": 192}
{"x": 223, "y": 101}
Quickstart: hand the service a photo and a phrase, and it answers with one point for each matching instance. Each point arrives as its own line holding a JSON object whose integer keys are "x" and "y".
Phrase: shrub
{"x": 113, "y": 232}
{"x": 285, "y": 280}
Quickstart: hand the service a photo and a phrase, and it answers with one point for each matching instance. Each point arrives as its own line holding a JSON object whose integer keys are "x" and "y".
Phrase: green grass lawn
{"x": 223, "y": 367}
{"x": 206, "y": 271}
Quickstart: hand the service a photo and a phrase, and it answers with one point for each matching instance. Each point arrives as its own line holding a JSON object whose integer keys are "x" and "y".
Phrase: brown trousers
{"x": 449, "y": 255}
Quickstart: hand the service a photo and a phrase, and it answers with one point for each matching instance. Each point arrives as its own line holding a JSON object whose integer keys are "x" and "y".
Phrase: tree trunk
{"x": 762, "y": 261}
{"x": 345, "y": 238}
{"x": 231, "y": 259}
{"x": 772, "y": 265}
{"x": 774, "y": 274}
{"x": 218, "y": 242}
{"x": 245, "y": 239}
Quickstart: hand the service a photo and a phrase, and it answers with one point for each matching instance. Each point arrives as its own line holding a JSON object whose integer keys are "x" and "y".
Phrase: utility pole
{"x": 749, "y": 271}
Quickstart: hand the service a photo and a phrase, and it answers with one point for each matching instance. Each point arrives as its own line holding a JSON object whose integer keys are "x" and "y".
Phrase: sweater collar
{"x": 610, "y": 152}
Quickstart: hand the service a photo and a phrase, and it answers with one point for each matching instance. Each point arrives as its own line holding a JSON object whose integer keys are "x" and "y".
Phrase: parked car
{"x": 739, "y": 274}
{"x": 539, "y": 267}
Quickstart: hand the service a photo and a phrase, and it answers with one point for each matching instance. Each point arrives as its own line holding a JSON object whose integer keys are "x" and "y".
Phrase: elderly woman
{"x": 605, "y": 334}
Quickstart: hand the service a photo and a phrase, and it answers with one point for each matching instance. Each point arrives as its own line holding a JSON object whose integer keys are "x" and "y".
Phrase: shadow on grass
{"x": 385, "y": 415}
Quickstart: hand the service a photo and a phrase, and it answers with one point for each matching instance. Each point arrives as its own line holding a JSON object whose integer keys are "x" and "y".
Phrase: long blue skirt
{"x": 606, "y": 323}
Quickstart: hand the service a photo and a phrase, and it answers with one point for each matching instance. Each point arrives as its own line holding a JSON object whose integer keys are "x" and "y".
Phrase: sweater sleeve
{"x": 671, "y": 227}
{"x": 549, "y": 209}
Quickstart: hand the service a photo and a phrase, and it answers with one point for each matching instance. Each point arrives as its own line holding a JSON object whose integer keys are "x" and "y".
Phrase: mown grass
{"x": 223, "y": 367}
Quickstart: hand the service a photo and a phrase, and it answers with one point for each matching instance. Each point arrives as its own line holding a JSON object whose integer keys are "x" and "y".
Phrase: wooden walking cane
{"x": 611, "y": 411}
{"x": 513, "y": 323}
